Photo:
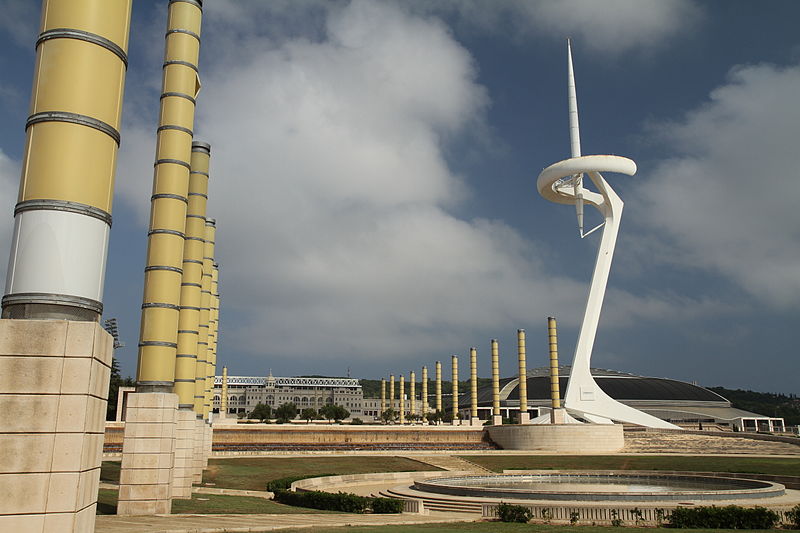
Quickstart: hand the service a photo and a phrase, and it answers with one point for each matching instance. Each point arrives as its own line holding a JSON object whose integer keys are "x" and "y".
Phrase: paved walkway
{"x": 260, "y": 522}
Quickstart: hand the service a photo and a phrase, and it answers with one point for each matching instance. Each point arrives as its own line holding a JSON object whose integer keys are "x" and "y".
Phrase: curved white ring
{"x": 580, "y": 165}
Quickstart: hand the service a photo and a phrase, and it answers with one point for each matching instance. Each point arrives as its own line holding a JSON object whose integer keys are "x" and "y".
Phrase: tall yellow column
{"x": 63, "y": 214}
{"x": 497, "y": 418}
{"x": 391, "y": 392}
{"x": 383, "y": 396}
{"x": 223, "y": 398}
{"x": 439, "y": 386}
{"x": 455, "y": 390}
{"x": 213, "y": 313}
{"x": 473, "y": 387}
{"x": 54, "y": 356}
{"x": 163, "y": 273}
{"x": 203, "y": 353}
{"x": 424, "y": 397}
{"x": 402, "y": 399}
{"x": 557, "y": 414}
{"x": 524, "y": 417}
{"x": 189, "y": 320}
{"x": 194, "y": 243}
{"x": 412, "y": 395}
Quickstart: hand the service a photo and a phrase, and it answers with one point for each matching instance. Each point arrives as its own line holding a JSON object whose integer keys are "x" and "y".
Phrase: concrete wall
{"x": 571, "y": 438}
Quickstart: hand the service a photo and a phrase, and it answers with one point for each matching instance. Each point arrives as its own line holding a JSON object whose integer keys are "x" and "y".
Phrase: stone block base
{"x": 497, "y": 420}
{"x": 183, "y": 473}
{"x": 568, "y": 438}
{"x": 53, "y": 388}
{"x": 475, "y": 421}
{"x": 207, "y": 443}
{"x": 197, "y": 454}
{"x": 148, "y": 453}
{"x": 524, "y": 418}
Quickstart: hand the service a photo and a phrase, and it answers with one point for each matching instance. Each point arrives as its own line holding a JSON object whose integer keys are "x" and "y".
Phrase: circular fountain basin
{"x": 602, "y": 486}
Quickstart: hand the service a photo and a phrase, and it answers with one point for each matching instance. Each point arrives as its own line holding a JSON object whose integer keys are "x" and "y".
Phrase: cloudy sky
{"x": 373, "y": 180}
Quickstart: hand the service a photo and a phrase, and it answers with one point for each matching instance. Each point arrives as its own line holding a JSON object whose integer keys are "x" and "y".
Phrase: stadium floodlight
{"x": 563, "y": 183}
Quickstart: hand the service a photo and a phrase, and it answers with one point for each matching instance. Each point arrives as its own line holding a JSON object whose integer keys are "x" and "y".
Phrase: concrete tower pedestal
{"x": 183, "y": 475}
{"x": 148, "y": 453}
{"x": 54, "y": 380}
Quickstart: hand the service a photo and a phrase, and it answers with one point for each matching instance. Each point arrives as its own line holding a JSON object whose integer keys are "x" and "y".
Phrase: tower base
{"x": 54, "y": 378}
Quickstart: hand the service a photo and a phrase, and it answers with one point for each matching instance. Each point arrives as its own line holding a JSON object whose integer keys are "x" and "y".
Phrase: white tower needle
{"x": 574, "y": 136}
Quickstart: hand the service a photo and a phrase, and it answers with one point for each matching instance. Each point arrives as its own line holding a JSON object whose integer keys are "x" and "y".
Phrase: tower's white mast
{"x": 574, "y": 136}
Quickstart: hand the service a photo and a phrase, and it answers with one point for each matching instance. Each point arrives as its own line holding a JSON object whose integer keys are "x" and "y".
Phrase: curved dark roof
{"x": 619, "y": 387}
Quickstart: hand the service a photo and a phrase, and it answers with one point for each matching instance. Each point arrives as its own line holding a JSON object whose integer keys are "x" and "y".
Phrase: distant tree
{"x": 333, "y": 412}
{"x": 435, "y": 417}
{"x": 261, "y": 412}
{"x": 114, "y": 384}
{"x": 341, "y": 413}
{"x": 356, "y": 421}
{"x": 286, "y": 412}
{"x": 309, "y": 414}
{"x": 389, "y": 415}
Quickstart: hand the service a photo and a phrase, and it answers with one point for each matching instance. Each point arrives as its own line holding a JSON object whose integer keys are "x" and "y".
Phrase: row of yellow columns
{"x": 524, "y": 416}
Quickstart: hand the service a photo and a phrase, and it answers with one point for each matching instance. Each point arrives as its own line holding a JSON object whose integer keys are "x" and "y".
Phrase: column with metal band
{"x": 524, "y": 417}
{"x": 424, "y": 396}
{"x": 557, "y": 414}
{"x": 412, "y": 396}
{"x": 193, "y": 250}
{"x": 148, "y": 477}
{"x": 455, "y": 390}
{"x": 402, "y": 399}
{"x": 223, "y": 398}
{"x": 439, "y": 387}
{"x": 211, "y": 356}
{"x": 189, "y": 320}
{"x": 383, "y": 397}
{"x": 169, "y": 203}
{"x": 391, "y": 392}
{"x": 473, "y": 387}
{"x": 63, "y": 216}
{"x": 201, "y": 369}
{"x": 497, "y": 417}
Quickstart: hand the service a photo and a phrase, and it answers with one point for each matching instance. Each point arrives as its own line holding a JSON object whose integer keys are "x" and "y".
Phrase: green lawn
{"x": 701, "y": 463}
{"x": 494, "y": 527}
{"x": 253, "y": 473}
{"x": 210, "y": 504}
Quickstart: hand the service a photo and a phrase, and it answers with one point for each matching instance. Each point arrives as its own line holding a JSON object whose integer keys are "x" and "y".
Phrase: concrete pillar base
{"x": 197, "y": 453}
{"x": 184, "y": 448}
{"x": 148, "y": 453}
{"x": 475, "y": 421}
{"x": 208, "y": 432}
{"x": 456, "y": 422}
{"x": 524, "y": 418}
{"x": 53, "y": 388}
{"x": 497, "y": 420}
{"x": 558, "y": 416}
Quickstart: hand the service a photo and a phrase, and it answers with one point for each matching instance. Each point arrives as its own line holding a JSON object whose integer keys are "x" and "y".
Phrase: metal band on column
{"x": 193, "y": 248}
{"x": 63, "y": 215}
{"x": 169, "y": 202}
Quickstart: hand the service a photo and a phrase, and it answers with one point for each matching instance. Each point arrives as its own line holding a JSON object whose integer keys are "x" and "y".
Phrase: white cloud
{"x": 728, "y": 202}
{"x": 607, "y": 27}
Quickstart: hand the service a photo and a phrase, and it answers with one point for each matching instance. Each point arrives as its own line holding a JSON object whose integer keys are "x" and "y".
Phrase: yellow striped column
{"x": 412, "y": 395}
{"x": 63, "y": 214}
{"x": 455, "y": 390}
{"x": 424, "y": 396}
{"x": 223, "y": 399}
{"x": 213, "y": 314}
{"x": 193, "y": 251}
{"x": 163, "y": 273}
{"x": 473, "y": 386}
{"x": 439, "y": 386}
{"x": 203, "y": 354}
{"x": 497, "y": 418}
{"x": 402, "y": 399}
{"x": 524, "y": 417}
{"x": 391, "y": 391}
{"x": 383, "y": 396}
{"x": 552, "y": 334}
